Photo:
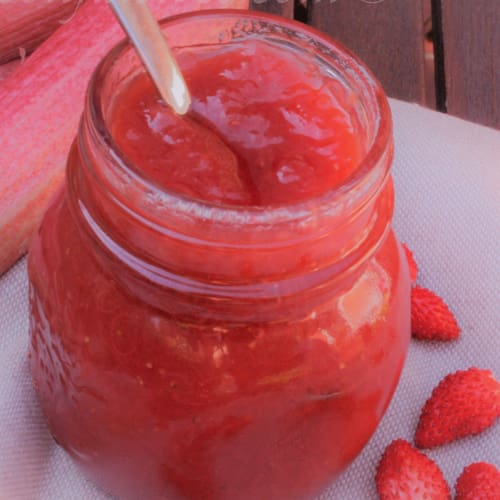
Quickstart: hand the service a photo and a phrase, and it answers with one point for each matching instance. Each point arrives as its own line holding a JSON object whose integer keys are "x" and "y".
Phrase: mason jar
{"x": 182, "y": 349}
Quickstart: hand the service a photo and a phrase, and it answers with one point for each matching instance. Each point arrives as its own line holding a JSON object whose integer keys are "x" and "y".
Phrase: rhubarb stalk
{"x": 41, "y": 104}
{"x": 8, "y": 68}
{"x": 24, "y": 24}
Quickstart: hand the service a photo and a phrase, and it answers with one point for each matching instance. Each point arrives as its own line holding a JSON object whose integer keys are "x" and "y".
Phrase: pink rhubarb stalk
{"x": 24, "y": 24}
{"x": 8, "y": 68}
{"x": 41, "y": 104}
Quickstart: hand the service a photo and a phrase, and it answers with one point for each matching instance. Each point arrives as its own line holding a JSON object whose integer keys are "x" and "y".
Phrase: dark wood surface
{"x": 388, "y": 35}
{"x": 470, "y": 31}
{"x": 282, "y": 7}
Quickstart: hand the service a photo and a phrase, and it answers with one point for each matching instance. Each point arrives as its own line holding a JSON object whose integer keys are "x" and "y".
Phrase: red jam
{"x": 209, "y": 354}
{"x": 265, "y": 128}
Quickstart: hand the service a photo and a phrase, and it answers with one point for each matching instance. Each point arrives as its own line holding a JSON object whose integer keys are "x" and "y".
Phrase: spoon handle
{"x": 143, "y": 30}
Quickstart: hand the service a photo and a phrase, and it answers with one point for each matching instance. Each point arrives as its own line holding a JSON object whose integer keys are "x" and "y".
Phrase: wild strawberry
{"x": 430, "y": 317}
{"x": 464, "y": 403}
{"x": 404, "y": 472}
{"x": 479, "y": 481}
{"x": 412, "y": 264}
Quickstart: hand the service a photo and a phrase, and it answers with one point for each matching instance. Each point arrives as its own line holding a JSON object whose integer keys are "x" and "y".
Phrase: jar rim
{"x": 268, "y": 214}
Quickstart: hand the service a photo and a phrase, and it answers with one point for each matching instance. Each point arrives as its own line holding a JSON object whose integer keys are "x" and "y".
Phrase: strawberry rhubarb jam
{"x": 219, "y": 307}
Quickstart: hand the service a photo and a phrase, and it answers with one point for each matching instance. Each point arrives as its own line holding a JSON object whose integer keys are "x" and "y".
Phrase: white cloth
{"x": 447, "y": 176}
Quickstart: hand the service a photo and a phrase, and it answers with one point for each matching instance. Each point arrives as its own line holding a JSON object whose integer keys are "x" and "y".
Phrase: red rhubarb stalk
{"x": 8, "y": 68}
{"x": 41, "y": 104}
{"x": 24, "y": 24}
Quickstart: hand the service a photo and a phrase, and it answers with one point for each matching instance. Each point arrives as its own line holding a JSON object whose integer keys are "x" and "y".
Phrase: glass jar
{"x": 187, "y": 350}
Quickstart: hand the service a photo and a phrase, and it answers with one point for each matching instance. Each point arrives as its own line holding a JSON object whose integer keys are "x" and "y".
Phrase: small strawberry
{"x": 430, "y": 317}
{"x": 404, "y": 472}
{"x": 412, "y": 264}
{"x": 464, "y": 403}
{"x": 479, "y": 481}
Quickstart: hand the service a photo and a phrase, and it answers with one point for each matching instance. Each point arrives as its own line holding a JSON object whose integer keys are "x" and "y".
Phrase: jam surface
{"x": 155, "y": 406}
{"x": 265, "y": 128}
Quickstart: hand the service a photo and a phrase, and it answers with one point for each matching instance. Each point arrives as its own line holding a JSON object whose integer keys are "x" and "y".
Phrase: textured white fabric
{"x": 447, "y": 175}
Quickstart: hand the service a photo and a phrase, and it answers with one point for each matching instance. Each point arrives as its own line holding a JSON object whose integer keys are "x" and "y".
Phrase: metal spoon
{"x": 143, "y": 30}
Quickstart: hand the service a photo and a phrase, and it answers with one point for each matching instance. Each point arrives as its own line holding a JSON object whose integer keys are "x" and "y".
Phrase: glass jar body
{"x": 154, "y": 408}
{"x": 159, "y": 391}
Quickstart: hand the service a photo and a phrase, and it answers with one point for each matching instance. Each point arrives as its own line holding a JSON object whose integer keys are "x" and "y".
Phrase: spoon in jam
{"x": 144, "y": 32}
